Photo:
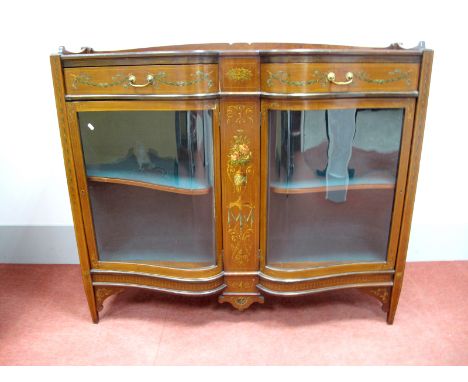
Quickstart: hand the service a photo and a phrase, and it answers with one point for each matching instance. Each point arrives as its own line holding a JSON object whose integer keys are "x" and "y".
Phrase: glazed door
{"x": 148, "y": 171}
{"x": 334, "y": 177}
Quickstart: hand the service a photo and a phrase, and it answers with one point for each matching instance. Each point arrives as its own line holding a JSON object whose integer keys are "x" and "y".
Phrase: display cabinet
{"x": 242, "y": 170}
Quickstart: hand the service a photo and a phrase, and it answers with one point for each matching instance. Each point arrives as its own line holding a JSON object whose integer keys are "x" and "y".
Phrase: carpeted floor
{"x": 44, "y": 320}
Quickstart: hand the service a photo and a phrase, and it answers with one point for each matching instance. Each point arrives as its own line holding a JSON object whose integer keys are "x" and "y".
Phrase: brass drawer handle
{"x": 132, "y": 79}
{"x": 349, "y": 78}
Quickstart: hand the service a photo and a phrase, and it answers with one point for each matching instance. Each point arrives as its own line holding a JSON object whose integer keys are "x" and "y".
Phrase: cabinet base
{"x": 241, "y": 302}
{"x": 244, "y": 301}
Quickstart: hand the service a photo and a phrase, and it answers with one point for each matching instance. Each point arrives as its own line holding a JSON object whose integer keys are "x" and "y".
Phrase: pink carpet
{"x": 44, "y": 320}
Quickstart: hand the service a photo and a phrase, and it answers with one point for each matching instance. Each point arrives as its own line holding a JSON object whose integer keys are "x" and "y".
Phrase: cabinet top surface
{"x": 227, "y": 49}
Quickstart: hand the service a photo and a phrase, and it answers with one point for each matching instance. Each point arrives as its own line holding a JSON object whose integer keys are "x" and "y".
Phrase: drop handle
{"x": 332, "y": 77}
{"x": 132, "y": 80}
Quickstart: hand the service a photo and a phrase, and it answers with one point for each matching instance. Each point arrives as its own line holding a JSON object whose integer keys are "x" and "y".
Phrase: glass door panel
{"x": 331, "y": 185}
{"x": 150, "y": 184}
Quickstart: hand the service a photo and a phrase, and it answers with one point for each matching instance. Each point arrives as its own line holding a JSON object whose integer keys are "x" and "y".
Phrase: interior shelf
{"x": 318, "y": 185}
{"x": 164, "y": 176}
{"x": 167, "y": 264}
{"x": 154, "y": 186}
{"x": 300, "y": 265}
{"x": 308, "y": 175}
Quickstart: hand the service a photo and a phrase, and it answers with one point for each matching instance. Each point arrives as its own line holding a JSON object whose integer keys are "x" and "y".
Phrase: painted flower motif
{"x": 239, "y": 74}
{"x": 244, "y": 150}
{"x": 239, "y": 158}
{"x": 240, "y": 153}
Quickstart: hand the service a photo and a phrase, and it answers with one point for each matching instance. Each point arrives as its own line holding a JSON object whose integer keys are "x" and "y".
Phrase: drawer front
{"x": 151, "y": 79}
{"x": 348, "y": 77}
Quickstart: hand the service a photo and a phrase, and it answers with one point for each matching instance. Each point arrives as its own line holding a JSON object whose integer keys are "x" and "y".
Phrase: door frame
{"x": 197, "y": 274}
{"x": 408, "y": 104}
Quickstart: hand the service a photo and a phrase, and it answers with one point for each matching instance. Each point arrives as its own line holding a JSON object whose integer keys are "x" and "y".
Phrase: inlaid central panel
{"x": 240, "y": 156}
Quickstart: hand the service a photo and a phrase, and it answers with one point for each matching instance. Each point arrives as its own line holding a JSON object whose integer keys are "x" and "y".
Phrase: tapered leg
{"x": 395, "y": 297}
{"x": 93, "y": 311}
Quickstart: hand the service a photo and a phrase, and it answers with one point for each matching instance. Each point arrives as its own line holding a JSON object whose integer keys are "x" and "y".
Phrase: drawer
{"x": 140, "y": 80}
{"x": 290, "y": 78}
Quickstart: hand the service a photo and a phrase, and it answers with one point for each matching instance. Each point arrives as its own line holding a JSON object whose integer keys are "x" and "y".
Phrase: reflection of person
{"x": 341, "y": 128}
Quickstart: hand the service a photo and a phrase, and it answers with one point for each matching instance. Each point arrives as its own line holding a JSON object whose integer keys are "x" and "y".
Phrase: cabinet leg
{"x": 90, "y": 296}
{"x": 395, "y": 297}
{"x": 94, "y": 312}
{"x": 241, "y": 302}
{"x": 390, "y": 317}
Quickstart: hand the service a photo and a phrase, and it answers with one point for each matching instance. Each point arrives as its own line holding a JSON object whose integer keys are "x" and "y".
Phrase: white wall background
{"x": 33, "y": 188}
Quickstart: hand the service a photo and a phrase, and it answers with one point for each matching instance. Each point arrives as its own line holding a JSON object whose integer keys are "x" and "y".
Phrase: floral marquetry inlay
{"x": 102, "y": 293}
{"x": 241, "y": 302}
{"x": 239, "y": 163}
{"x": 240, "y": 168}
{"x": 318, "y": 77}
{"x": 394, "y": 76}
{"x": 381, "y": 293}
{"x": 240, "y": 222}
{"x": 86, "y": 79}
{"x": 239, "y": 74}
{"x": 242, "y": 284}
{"x": 239, "y": 115}
{"x": 284, "y": 78}
{"x": 159, "y": 78}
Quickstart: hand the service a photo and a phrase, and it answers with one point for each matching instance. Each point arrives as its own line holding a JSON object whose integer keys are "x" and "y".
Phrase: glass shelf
{"x": 303, "y": 177}
{"x": 163, "y": 177}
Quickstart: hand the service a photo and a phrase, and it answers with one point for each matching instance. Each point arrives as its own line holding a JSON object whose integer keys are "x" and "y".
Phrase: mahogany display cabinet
{"x": 242, "y": 170}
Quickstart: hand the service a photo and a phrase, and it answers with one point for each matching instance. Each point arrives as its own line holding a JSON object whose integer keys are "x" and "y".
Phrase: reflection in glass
{"x": 150, "y": 182}
{"x": 165, "y": 148}
{"x": 331, "y": 185}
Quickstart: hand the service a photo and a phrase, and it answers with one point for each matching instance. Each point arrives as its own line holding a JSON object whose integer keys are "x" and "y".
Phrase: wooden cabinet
{"x": 242, "y": 170}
